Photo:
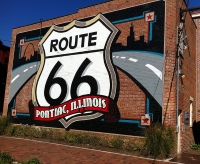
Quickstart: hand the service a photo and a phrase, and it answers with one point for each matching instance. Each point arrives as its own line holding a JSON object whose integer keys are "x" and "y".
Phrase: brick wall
{"x": 196, "y": 126}
{"x": 169, "y": 90}
{"x": 188, "y": 66}
{"x": 132, "y": 100}
{"x": 104, "y": 7}
{"x": 197, "y": 22}
{"x": 187, "y": 85}
{"x": 23, "y": 97}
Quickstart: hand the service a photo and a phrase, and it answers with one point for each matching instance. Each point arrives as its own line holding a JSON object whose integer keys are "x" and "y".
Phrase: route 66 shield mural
{"x": 86, "y": 75}
{"x": 76, "y": 79}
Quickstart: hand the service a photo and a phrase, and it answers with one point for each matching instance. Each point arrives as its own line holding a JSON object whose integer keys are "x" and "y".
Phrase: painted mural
{"x": 102, "y": 73}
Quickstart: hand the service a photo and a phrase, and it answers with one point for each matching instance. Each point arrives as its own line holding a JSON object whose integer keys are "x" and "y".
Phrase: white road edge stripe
{"x": 155, "y": 70}
{"x": 25, "y": 70}
{"x": 134, "y": 60}
{"x": 14, "y": 78}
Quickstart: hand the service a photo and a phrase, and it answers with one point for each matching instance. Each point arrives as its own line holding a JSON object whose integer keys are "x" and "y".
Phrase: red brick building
{"x": 121, "y": 64}
{"x": 196, "y": 18}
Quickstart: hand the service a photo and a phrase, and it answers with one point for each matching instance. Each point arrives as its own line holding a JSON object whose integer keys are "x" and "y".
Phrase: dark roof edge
{"x": 3, "y": 47}
{"x": 190, "y": 13}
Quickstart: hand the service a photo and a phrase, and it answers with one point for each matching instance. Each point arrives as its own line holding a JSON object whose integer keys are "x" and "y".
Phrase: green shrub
{"x": 116, "y": 142}
{"x": 90, "y": 139}
{"x": 75, "y": 137}
{"x": 31, "y": 161}
{"x": 26, "y": 131}
{"x": 134, "y": 145}
{"x": 19, "y": 131}
{"x": 5, "y": 158}
{"x": 22, "y": 131}
{"x": 4, "y": 123}
{"x": 94, "y": 140}
{"x": 36, "y": 132}
{"x": 33, "y": 132}
{"x": 69, "y": 137}
{"x": 82, "y": 138}
{"x": 159, "y": 141}
{"x": 46, "y": 133}
{"x": 103, "y": 141}
{"x": 10, "y": 130}
{"x": 130, "y": 145}
{"x": 195, "y": 147}
{"x": 57, "y": 135}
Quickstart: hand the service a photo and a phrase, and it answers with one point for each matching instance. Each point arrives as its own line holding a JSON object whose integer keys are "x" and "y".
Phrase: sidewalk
{"x": 50, "y": 153}
{"x": 187, "y": 158}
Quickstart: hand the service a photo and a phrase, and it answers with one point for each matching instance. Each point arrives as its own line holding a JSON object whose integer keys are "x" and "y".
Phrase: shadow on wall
{"x": 196, "y": 132}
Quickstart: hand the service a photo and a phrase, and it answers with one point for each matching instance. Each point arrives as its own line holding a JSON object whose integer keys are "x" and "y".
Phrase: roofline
{"x": 186, "y": 10}
{"x": 197, "y": 15}
{"x": 3, "y": 47}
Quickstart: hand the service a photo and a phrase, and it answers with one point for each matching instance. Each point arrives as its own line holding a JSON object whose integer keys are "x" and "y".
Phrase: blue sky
{"x": 15, "y": 13}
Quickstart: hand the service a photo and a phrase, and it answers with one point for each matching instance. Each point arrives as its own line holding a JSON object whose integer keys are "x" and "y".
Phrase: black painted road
{"x": 20, "y": 75}
{"x": 145, "y": 67}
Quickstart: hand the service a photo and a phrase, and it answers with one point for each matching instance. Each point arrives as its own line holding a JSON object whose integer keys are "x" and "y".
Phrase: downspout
{"x": 177, "y": 96}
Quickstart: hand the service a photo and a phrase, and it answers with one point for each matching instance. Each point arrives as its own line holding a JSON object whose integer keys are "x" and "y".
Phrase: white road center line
{"x": 25, "y": 70}
{"x": 31, "y": 67}
{"x": 134, "y": 60}
{"x": 117, "y": 56}
{"x": 14, "y": 78}
{"x": 113, "y": 56}
{"x": 123, "y": 57}
{"x": 155, "y": 70}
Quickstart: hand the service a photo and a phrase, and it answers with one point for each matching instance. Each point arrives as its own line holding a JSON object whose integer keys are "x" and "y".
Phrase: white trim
{"x": 195, "y": 15}
{"x": 179, "y": 135}
{"x": 191, "y": 114}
